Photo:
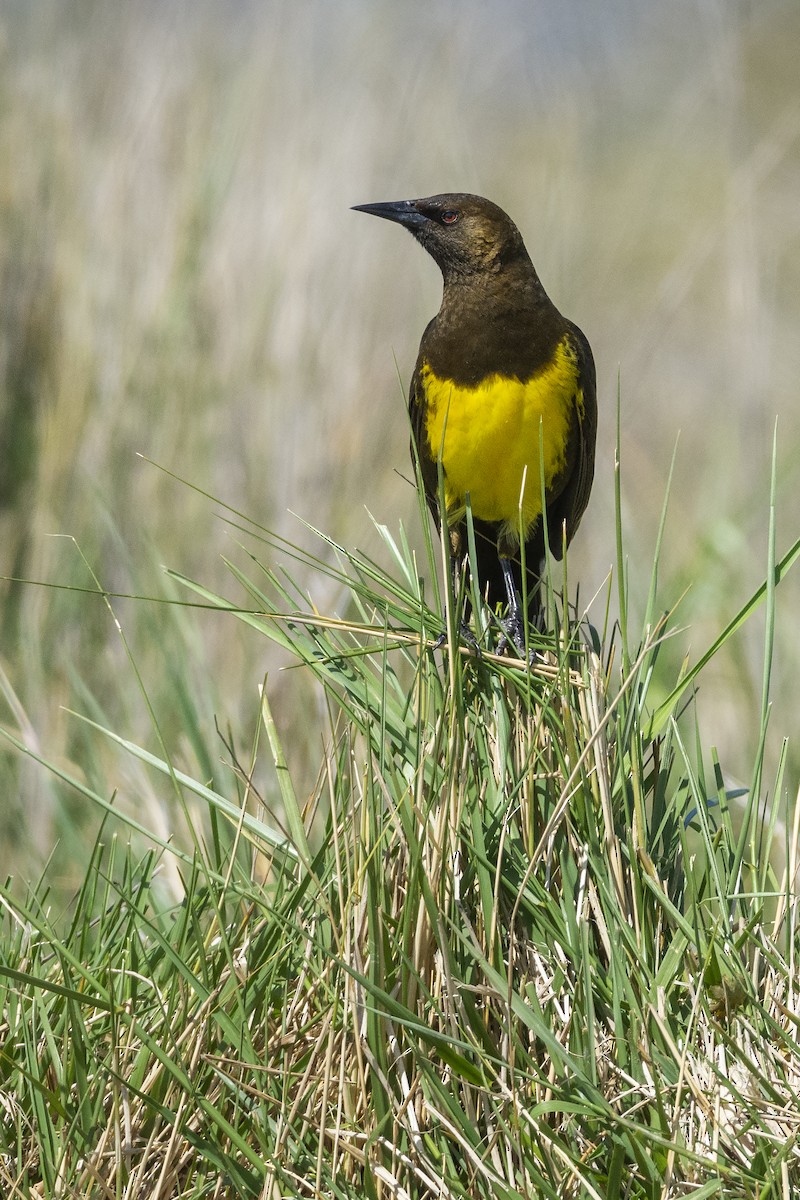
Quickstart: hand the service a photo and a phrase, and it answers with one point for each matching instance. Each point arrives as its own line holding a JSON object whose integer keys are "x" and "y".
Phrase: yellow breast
{"x": 491, "y": 438}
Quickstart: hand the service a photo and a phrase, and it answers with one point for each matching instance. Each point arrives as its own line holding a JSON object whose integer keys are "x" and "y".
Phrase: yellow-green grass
{"x": 514, "y": 941}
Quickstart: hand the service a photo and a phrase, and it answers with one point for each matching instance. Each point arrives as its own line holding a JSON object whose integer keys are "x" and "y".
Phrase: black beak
{"x": 404, "y": 212}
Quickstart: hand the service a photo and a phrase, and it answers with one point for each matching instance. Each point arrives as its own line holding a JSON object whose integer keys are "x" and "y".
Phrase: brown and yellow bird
{"x": 503, "y": 387}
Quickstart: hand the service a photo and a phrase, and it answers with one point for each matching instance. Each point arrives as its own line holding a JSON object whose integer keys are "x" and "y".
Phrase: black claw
{"x": 465, "y": 634}
{"x": 513, "y": 634}
{"x": 469, "y": 637}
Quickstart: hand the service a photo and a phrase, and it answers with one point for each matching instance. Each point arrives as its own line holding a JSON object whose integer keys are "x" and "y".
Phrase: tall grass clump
{"x": 520, "y": 939}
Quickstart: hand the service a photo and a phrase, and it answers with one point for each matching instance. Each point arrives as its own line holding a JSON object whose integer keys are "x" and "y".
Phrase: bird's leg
{"x": 514, "y": 624}
{"x": 456, "y": 566}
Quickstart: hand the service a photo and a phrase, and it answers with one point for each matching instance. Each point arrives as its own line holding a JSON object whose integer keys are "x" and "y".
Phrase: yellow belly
{"x": 492, "y": 437}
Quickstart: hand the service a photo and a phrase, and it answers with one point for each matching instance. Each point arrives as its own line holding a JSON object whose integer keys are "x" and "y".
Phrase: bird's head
{"x": 465, "y": 234}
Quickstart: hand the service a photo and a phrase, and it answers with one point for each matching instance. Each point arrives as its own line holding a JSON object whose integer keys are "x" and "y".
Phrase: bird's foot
{"x": 513, "y": 634}
{"x": 465, "y": 635}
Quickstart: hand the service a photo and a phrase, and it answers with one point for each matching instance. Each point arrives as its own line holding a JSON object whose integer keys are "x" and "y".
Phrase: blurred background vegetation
{"x": 181, "y": 279}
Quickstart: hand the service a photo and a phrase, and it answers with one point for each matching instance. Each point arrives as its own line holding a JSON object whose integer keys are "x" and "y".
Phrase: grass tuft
{"x": 519, "y": 938}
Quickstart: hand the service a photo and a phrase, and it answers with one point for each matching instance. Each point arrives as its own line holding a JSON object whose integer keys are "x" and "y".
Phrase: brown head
{"x": 465, "y": 234}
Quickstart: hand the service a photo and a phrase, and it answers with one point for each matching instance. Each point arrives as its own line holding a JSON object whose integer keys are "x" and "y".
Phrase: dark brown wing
{"x": 570, "y": 503}
{"x": 417, "y": 407}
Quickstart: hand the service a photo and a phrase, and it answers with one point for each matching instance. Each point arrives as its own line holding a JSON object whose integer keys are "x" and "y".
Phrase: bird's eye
{"x": 449, "y": 216}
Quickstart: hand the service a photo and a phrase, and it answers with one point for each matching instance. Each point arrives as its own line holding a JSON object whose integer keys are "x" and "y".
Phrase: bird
{"x": 503, "y": 391}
